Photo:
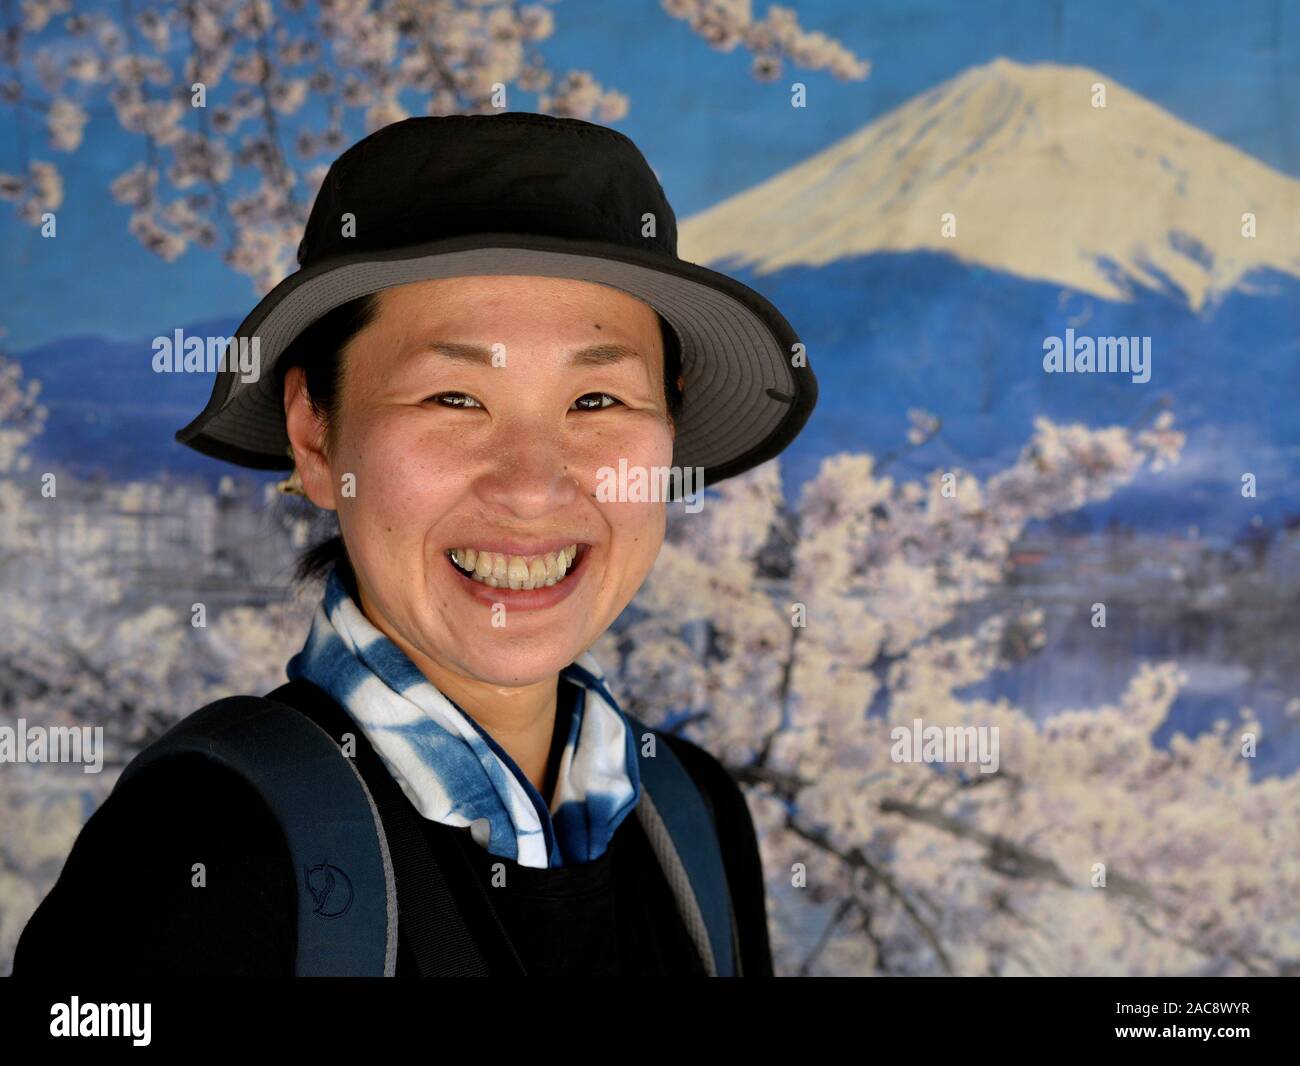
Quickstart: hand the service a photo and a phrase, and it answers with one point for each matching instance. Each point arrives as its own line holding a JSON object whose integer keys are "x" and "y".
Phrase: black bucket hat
{"x": 520, "y": 193}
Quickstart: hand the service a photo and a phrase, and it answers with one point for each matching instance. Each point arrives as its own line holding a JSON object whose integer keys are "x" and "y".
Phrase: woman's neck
{"x": 521, "y": 720}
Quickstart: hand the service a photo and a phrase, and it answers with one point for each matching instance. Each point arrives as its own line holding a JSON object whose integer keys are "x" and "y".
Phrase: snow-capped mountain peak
{"x": 1043, "y": 184}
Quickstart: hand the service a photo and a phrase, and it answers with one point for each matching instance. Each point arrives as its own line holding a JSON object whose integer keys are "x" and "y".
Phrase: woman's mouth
{"x": 518, "y": 572}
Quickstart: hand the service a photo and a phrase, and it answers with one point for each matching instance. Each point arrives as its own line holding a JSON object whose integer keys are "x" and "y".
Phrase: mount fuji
{"x": 1120, "y": 220}
{"x": 1044, "y": 186}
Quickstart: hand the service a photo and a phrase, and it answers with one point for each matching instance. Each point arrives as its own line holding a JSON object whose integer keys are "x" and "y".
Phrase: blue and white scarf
{"x": 451, "y": 769}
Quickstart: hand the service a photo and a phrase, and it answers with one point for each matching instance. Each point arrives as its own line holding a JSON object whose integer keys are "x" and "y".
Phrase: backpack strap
{"x": 346, "y": 902}
{"x": 431, "y": 920}
{"x": 677, "y": 820}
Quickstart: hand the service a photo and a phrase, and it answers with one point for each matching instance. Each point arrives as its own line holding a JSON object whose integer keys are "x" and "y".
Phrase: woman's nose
{"x": 529, "y": 476}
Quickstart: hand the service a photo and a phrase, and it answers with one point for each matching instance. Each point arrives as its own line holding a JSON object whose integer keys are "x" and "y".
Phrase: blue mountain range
{"x": 885, "y": 333}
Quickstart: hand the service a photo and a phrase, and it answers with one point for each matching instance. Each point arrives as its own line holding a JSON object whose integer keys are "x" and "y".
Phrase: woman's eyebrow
{"x": 591, "y": 355}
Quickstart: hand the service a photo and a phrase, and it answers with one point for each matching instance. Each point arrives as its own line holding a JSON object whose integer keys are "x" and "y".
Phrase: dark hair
{"x": 318, "y": 350}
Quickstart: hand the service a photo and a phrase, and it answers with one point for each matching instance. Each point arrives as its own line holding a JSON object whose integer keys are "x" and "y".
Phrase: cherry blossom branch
{"x": 857, "y": 858}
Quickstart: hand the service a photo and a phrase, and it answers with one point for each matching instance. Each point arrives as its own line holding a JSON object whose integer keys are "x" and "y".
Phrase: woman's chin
{"x": 513, "y": 637}
{"x": 521, "y": 667}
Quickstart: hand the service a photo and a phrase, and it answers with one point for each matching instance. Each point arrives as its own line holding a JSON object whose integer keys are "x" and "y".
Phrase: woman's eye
{"x": 444, "y": 398}
{"x": 612, "y": 400}
{"x": 591, "y": 401}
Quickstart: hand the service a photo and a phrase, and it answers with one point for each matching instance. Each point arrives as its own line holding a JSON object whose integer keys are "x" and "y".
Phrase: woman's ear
{"x": 307, "y": 439}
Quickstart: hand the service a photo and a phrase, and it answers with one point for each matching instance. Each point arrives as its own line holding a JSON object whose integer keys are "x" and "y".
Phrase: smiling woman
{"x": 455, "y": 453}
{"x": 318, "y": 351}
{"x": 448, "y": 778}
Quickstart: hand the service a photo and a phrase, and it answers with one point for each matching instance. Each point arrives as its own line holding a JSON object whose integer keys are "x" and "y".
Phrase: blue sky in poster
{"x": 705, "y": 124}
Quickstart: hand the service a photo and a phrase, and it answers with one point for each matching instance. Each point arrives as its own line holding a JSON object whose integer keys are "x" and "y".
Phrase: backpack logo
{"x": 330, "y": 889}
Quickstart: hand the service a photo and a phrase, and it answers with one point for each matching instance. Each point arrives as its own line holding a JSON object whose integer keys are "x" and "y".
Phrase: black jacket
{"x": 124, "y": 905}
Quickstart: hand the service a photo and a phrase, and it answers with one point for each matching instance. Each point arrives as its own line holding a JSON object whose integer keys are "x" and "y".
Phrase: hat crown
{"x": 432, "y": 177}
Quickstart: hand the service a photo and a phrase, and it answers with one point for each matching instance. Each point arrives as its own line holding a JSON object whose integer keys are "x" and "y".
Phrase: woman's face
{"x": 475, "y": 413}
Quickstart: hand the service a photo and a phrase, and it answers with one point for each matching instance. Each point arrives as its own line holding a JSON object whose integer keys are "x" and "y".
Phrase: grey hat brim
{"x": 744, "y": 400}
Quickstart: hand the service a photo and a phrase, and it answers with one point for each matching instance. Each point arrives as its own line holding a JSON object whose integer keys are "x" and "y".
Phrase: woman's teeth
{"x": 514, "y": 571}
